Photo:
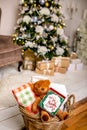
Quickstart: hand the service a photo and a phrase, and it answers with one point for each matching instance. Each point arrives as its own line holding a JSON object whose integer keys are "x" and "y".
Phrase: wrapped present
{"x": 45, "y": 71}
{"x": 29, "y": 60}
{"x": 76, "y": 61}
{"x": 52, "y": 101}
{"x": 61, "y": 61}
{"x": 24, "y": 96}
{"x": 28, "y": 64}
{"x": 45, "y": 67}
{"x": 60, "y": 69}
{"x": 41, "y": 65}
{"x": 75, "y": 65}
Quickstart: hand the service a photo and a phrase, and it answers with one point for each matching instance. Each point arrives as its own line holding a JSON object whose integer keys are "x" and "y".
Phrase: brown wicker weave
{"x": 34, "y": 123}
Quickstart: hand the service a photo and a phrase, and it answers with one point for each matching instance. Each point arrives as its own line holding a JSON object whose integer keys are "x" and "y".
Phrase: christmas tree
{"x": 40, "y": 28}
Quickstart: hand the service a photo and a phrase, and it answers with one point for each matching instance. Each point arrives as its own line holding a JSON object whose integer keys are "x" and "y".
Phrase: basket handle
{"x": 70, "y": 103}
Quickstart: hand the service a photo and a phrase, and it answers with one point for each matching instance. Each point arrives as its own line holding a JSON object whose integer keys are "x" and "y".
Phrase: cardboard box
{"x": 76, "y": 64}
{"x": 42, "y": 65}
{"x": 75, "y": 67}
{"x": 28, "y": 64}
{"x": 60, "y": 69}
{"x": 76, "y": 61}
{"x": 61, "y": 61}
{"x": 45, "y": 71}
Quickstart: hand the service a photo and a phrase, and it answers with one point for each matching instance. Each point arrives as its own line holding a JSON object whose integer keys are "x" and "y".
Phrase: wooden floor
{"x": 78, "y": 118}
{"x": 11, "y": 119}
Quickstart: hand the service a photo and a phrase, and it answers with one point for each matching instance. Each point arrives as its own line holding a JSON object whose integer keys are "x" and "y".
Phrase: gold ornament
{"x": 67, "y": 49}
{"x": 60, "y": 27}
{"x": 52, "y": 47}
{"x": 14, "y": 39}
{"x": 63, "y": 24}
{"x": 34, "y": 5}
{"x": 23, "y": 43}
{"x": 19, "y": 40}
{"x": 60, "y": 6}
{"x": 14, "y": 35}
{"x": 46, "y": 4}
{"x": 22, "y": 52}
{"x": 52, "y": 2}
{"x": 25, "y": 4}
{"x": 55, "y": 28}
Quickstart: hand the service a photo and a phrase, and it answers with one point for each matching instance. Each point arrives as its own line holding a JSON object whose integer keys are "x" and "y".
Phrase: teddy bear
{"x": 40, "y": 89}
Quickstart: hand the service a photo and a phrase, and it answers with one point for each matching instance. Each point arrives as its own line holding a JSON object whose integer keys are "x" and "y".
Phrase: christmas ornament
{"x": 55, "y": 28}
{"x": 35, "y": 19}
{"x": 34, "y": 5}
{"x": 25, "y": 5}
{"x": 60, "y": 27}
{"x": 51, "y": 27}
{"x": 28, "y": 36}
{"x": 46, "y": 4}
{"x": 42, "y": 2}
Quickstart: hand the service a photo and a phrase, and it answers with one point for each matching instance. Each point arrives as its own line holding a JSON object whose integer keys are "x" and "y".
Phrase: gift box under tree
{"x": 61, "y": 64}
{"x": 75, "y": 65}
{"x": 45, "y": 67}
{"x": 29, "y": 60}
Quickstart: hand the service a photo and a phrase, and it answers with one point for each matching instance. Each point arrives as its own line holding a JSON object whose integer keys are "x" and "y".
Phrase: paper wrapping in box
{"x": 61, "y": 61}
{"x": 60, "y": 69}
{"x": 41, "y": 65}
{"x": 37, "y": 78}
{"x": 61, "y": 88}
{"x": 45, "y": 71}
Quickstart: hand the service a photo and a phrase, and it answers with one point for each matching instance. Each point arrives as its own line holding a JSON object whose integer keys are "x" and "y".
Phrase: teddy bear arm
{"x": 35, "y": 107}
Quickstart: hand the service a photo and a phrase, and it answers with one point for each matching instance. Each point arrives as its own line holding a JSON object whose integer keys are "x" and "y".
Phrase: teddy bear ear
{"x": 47, "y": 81}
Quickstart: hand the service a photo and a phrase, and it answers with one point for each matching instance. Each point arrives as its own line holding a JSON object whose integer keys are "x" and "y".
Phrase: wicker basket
{"x": 34, "y": 123}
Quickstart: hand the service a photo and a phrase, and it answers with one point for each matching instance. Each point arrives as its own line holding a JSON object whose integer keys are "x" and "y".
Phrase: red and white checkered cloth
{"x": 24, "y": 96}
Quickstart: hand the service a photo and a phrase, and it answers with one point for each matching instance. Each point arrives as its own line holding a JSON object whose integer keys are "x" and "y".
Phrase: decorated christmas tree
{"x": 40, "y": 28}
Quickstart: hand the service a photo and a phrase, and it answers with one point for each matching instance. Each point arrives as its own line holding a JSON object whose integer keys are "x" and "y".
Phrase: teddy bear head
{"x": 41, "y": 87}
